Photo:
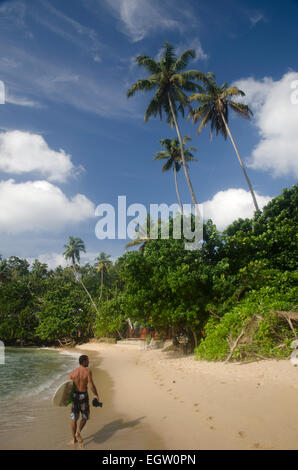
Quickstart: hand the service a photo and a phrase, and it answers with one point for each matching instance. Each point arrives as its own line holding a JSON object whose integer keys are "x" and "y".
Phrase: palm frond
{"x": 150, "y": 64}
{"x": 169, "y": 55}
{"x": 232, "y": 91}
{"x": 241, "y": 109}
{"x": 168, "y": 165}
{"x": 136, "y": 242}
{"x": 183, "y": 61}
{"x": 142, "y": 85}
{"x": 162, "y": 155}
{"x": 152, "y": 110}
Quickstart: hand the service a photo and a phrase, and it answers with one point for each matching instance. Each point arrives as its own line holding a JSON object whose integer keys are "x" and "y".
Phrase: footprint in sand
{"x": 256, "y": 445}
{"x": 210, "y": 418}
{"x": 211, "y": 427}
{"x": 195, "y": 404}
{"x": 241, "y": 434}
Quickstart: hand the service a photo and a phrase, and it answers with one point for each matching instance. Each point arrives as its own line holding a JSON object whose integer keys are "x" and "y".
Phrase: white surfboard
{"x": 63, "y": 394}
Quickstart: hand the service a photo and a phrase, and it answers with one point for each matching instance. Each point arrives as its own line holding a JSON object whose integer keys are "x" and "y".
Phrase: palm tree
{"x": 102, "y": 263}
{"x": 142, "y": 236}
{"x": 173, "y": 156}
{"x": 215, "y": 103}
{"x": 171, "y": 83}
{"x": 73, "y": 249}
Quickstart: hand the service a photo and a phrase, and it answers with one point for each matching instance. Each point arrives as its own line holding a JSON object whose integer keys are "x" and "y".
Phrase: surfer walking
{"x": 81, "y": 377}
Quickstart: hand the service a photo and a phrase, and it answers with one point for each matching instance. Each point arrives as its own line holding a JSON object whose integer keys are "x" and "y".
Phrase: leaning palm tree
{"x": 102, "y": 263}
{"x": 173, "y": 158}
{"x": 142, "y": 235}
{"x": 171, "y": 82}
{"x": 214, "y": 104}
{"x": 73, "y": 249}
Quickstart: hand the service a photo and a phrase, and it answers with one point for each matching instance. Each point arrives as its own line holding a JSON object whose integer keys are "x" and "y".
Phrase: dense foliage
{"x": 231, "y": 286}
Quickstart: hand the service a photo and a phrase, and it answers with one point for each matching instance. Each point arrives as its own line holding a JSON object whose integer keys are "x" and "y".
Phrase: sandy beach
{"x": 154, "y": 400}
{"x": 201, "y": 405}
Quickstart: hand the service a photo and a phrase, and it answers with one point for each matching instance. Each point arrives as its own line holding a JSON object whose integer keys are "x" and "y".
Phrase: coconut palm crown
{"x": 214, "y": 104}
{"x": 73, "y": 249}
{"x": 173, "y": 158}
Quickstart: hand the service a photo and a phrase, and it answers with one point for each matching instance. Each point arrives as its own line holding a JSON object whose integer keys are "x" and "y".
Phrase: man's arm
{"x": 91, "y": 383}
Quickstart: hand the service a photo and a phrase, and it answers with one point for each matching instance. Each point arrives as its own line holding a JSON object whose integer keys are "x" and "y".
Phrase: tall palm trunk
{"x": 101, "y": 287}
{"x": 241, "y": 163}
{"x": 177, "y": 190}
{"x": 85, "y": 289}
{"x": 182, "y": 152}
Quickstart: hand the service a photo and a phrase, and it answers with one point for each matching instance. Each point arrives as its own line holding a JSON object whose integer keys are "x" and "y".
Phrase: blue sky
{"x": 70, "y": 139}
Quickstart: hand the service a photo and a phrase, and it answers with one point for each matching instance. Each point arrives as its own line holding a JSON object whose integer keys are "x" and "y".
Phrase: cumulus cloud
{"x": 276, "y": 117}
{"x": 23, "y": 152}
{"x": 140, "y": 17}
{"x": 231, "y": 204}
{"x": 39, "y": 206}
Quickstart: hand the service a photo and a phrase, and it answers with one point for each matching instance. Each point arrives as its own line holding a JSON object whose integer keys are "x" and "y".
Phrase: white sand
{"x": 202, "y": 405}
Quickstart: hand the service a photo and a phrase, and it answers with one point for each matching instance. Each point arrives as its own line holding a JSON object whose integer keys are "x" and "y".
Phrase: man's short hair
{"x": 83, "y": 358}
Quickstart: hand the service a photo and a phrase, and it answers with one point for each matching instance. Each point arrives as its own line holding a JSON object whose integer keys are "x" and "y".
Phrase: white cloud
{"x": 73, "y": 85}
{"x": 231, "y": 204}
{"x": 20, "y": 101}
{"x": 194, "y": 44}
{"x": 256, "y": 91}
{"x": 53, "y": 260}
{"x": 13, "y": 12}
{"x": 256, "y": 18}
{"x": 23, "y": 152}
{"x": 276, "y": 118}
{"x": 40, "y": 206}
{"x": 140, "y": 17}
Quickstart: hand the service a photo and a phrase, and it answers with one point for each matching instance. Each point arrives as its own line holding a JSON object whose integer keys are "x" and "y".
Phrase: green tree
{"x": 18, "y": 312}
{"x": 215, "y": 101}
{"x": 65, "y": 314}
{"x": 102, "y": 263}
{"x": 173, "y": 158}
{"x": 172, "y": 83}
{"x": 73, "y": 249}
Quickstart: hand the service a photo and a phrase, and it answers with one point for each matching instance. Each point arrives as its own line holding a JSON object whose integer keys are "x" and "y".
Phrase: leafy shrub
{"x": 270, "y": 337}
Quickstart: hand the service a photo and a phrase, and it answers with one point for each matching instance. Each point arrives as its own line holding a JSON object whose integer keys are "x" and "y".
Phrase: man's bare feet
{"x": 79, "y": 438}
{"x": 73, "y": 441}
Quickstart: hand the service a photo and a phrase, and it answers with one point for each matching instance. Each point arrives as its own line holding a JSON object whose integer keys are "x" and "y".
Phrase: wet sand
{"x": 107, "y": 428}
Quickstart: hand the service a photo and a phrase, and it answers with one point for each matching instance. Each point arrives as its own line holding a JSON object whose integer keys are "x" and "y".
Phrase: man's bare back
{"x": 81, "y": 376}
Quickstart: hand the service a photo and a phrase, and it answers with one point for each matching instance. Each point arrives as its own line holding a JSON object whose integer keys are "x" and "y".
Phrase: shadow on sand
{"x": 108, "y": 430}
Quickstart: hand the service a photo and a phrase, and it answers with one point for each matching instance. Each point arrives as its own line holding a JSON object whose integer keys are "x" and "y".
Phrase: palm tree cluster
{"x": 175, "y": 89}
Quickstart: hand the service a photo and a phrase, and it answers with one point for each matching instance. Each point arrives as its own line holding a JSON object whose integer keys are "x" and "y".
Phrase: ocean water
{"x": 28, "y": 379}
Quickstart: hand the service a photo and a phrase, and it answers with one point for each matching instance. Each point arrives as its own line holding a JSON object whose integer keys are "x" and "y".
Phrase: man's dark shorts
{"x": 80, "y": 404}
